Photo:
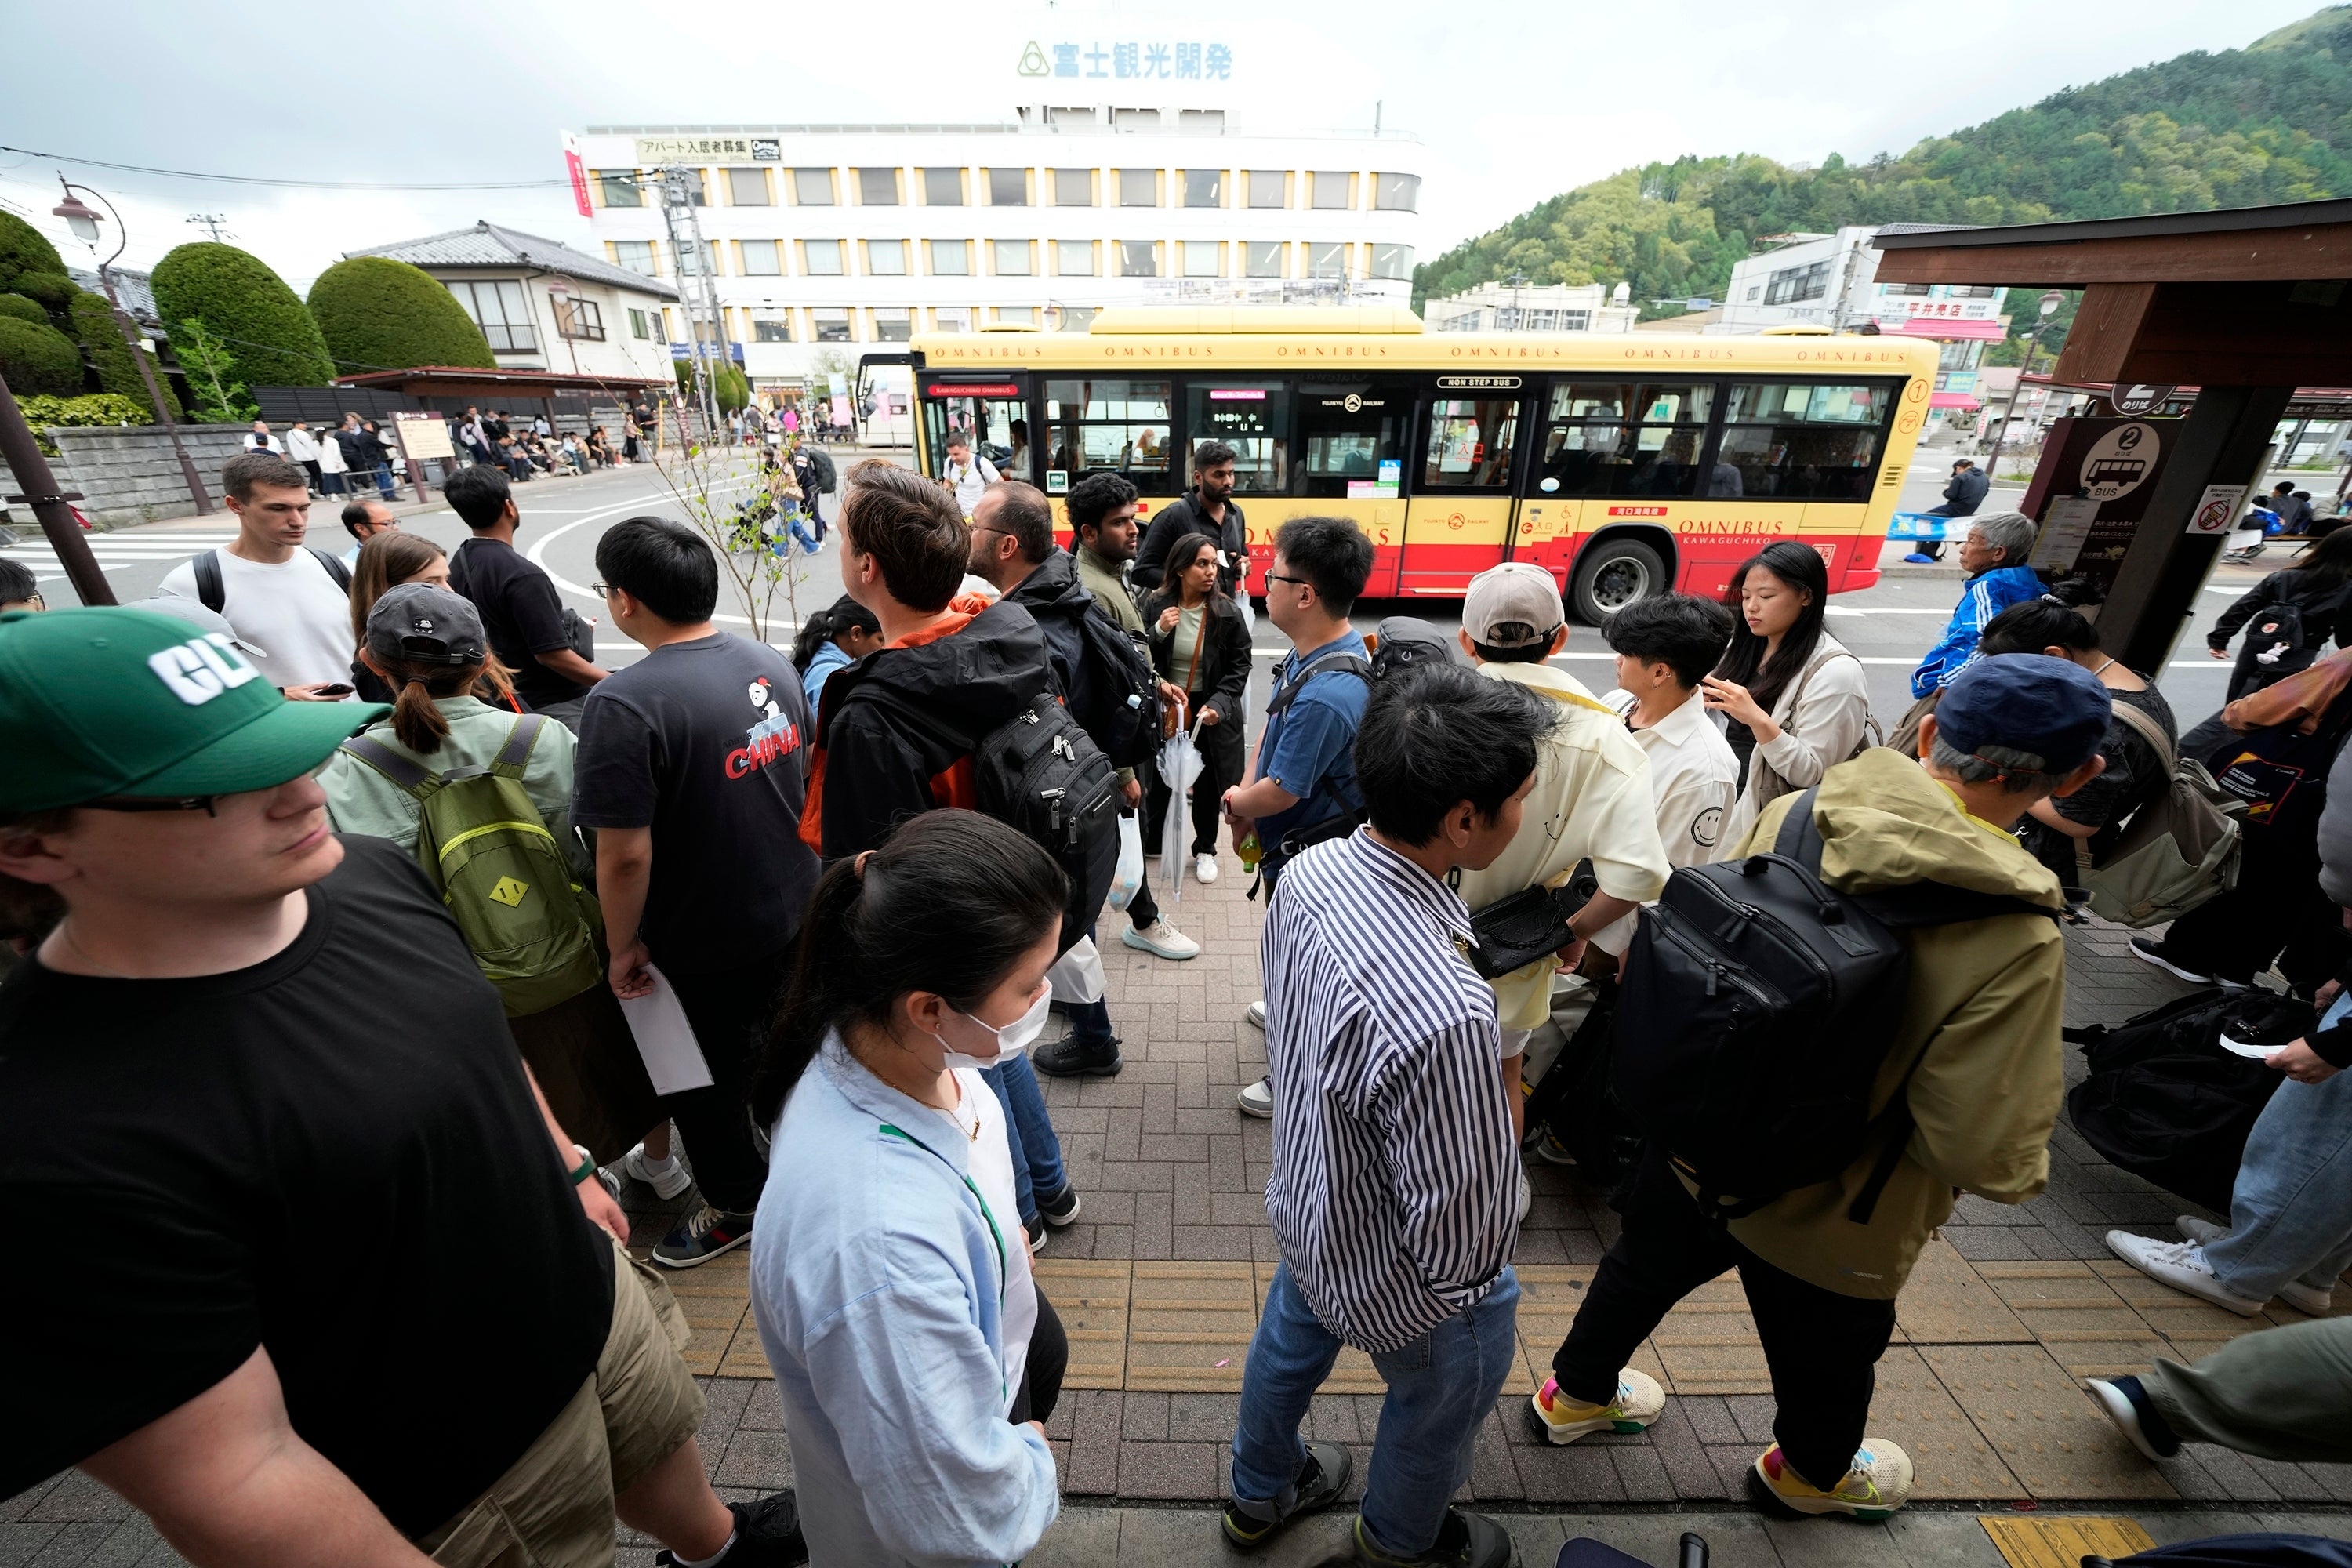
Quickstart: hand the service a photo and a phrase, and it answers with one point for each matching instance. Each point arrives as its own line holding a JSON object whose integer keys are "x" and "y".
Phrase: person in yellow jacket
{"x": 1980, "y": 1020}
{"x": 1591, "y": 799}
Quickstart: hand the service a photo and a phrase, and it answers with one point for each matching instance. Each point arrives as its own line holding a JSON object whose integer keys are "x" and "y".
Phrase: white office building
{"x": 829, "y": 239}
{"x": 1519, "y": 308}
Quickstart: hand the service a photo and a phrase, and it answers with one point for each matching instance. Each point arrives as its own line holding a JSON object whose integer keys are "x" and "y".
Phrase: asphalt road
{"x": 1888, "y": 626}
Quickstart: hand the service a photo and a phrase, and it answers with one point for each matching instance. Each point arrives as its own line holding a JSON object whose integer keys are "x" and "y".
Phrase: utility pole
{"x": 211, "y": 223}
{"x": 23, "y": 458}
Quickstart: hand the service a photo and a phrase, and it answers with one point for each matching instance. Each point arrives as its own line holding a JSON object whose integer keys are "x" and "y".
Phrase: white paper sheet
{"x": 664, "y": 1039}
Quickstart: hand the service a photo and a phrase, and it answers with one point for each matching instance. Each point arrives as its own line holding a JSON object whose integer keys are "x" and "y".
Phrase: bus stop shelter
{"x": 2246, "y": 305}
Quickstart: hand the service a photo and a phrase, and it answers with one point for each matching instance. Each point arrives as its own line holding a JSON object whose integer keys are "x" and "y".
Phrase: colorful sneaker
{"x": 2181, "y": 1265}
{"x": 1639, "y": 1402}
{"x": 1321, "y": 1483}
{"x": 2126, "y": 1404}
{"x": 705, "y": 1234}
{"x": 1160, "y": 940}
{"x": 1878, "y": 1484}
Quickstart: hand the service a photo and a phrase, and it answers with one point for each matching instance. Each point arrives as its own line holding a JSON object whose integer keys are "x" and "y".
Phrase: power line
{"x": 299, "y": 185}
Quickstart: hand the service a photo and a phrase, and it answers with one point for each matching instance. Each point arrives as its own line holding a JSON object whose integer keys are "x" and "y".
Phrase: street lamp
{"x": 2050, "y": 303}
{"x": 84, "y": 223}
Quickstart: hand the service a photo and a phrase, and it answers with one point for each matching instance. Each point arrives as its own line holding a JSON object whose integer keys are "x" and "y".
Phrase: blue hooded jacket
{"x": 1988, "y": 593}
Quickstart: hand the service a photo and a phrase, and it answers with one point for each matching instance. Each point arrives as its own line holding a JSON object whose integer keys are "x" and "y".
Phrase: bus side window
{"x": 1805, "y": 440}
{"x": 1113, "y": 424}
{"x": 1625, "y": 438}
{"x": 1470, "y": 443}
{"x": 1253, "y": 418}
{"x": 1352, "y": 438}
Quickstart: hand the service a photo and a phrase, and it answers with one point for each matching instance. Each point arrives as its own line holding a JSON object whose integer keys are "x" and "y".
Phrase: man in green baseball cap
{"x": 335, "y": 1298}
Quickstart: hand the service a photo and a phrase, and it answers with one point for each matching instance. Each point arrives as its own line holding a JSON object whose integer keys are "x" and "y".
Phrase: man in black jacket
{"x": 1207, "y": 508}
{"x": 1962, "y": 495}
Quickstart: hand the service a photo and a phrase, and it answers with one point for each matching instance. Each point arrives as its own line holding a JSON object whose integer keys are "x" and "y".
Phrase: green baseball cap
{"x": 113, "y": 701}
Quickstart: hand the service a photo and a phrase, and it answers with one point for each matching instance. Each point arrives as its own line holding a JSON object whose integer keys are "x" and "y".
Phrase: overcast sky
{"x": 1517, "y": 99}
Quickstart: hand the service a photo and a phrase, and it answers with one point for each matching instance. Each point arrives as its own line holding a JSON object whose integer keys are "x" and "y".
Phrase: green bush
{"x": 52, "y": 291}
{"x": 23, "y": 309}
{"x": 118, "y": 372}
{"x": 24, "y": 249}
{"x": 35, "y": 360}
{"x": 44, "y": 413}
{"x": 270, "y": 339}
{"x": 382, "y": 314}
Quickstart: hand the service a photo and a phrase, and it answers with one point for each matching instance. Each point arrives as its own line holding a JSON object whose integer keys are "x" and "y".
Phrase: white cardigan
{"x": 1821, "y": 714}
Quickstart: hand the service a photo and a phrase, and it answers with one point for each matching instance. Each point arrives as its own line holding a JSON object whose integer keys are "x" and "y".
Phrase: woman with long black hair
{"x": 833, "y": 638}
{"x": 1199, "y": 643}
{"x": 915, "y": 1357}
{"x": 1793, "y": 698}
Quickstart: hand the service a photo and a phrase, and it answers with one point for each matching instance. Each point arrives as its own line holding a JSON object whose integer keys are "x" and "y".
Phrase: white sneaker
{"x": 1160, "y": 940}
{"x": 1256, "y": 1014}
{"x": 2308, "y": 1298}
{"x": 1526, "y": 1195}
{"x": 2199, "y": 1231}
{"x": 1204, "y": 869}
{"x": 2182, "y": 1265}
{"x": 1257, "y": 1099}
{"x": 666, "y": 1182}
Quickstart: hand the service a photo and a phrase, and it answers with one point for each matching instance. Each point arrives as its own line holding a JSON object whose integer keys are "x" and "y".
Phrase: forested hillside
{"x": 2269, "y": 123}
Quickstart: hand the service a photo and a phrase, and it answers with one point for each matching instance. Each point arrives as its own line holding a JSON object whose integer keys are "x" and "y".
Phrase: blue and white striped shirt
{"x": 1394, "y": 1196}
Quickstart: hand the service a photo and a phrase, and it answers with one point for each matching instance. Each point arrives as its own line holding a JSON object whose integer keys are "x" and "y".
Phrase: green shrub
{"x": 118, "y": 373}
{"x": 23, "y": 249}
{"x": 270, "y": 339}
{"x": 37, "y": 359}
{"x": 23, "y": 310}
{"x": 382, "y": 314}
{"x": 44, "y": 413}
{"x": 52, "y": 291}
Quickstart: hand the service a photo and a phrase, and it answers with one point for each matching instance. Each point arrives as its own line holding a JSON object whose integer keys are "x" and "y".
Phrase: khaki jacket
{"x": 1982, "y": 1020}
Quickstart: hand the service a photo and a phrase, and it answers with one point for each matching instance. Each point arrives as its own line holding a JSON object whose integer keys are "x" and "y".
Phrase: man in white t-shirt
{"x": 291, "y": 604}
{"x": 967, "y": 476}
{"x": 1664, "y": 644}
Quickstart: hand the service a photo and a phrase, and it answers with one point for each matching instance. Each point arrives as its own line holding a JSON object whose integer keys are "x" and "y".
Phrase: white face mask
{"x": 1011, "y": 1040}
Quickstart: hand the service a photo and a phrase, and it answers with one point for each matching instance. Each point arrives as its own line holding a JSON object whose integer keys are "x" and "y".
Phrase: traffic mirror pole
{"x": 40, "y": 487}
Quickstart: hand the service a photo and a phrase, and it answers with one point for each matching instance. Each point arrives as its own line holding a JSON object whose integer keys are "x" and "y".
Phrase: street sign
{"x": 422, "y": 433}
{"x": 2217, "y": 509}
{"x": 2139, "y": 398}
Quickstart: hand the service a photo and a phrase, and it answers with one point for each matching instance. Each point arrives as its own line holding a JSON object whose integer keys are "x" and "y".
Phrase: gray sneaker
{"x": 1257, "y": 1099}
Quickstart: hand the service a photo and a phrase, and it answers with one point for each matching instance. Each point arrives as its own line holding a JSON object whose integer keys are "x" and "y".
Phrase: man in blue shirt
{"x": 1301, "y": 782}
{"x": 1993, "y": 555}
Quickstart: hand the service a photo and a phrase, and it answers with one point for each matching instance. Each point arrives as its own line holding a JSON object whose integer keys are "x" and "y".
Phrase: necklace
{"x": 2103, "y": 665}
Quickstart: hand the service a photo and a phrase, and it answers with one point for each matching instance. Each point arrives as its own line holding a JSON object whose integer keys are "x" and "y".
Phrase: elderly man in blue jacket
{"x": 1993, "y": 555}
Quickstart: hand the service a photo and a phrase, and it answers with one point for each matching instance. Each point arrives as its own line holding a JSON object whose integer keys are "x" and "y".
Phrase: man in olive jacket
{"x": 1980, "y": 1020}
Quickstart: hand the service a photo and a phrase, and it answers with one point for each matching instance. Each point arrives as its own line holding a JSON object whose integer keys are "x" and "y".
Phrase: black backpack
{"x": 1039, "y": 772}
{"x": 1756, "y": 1008}
{"x": 1119, "y": 690}
{"x": 212, "y": 593}
{"x": 2166, "y": 1101}
{"x": 822, "y": 460}
{"x": 2279, "y": 641}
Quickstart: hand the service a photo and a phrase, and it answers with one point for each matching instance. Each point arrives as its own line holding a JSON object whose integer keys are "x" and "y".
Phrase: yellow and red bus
{"x": 1623, "y": 465}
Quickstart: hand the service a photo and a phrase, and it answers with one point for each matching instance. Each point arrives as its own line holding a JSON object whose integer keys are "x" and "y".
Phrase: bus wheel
{"x": 1613, "y": 574}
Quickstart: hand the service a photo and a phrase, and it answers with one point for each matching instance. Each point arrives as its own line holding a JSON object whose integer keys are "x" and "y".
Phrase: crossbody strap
{"x": 2151, "y": 731}
{"x": 1003, "y": 1262}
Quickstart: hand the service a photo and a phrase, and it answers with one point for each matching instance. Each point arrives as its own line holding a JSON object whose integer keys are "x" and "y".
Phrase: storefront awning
{"x": 1949, "y": 331}
{"x": 1951, "y": 400}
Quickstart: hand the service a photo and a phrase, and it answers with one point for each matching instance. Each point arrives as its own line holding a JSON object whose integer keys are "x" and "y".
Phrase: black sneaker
{"x": 1061, "y": 1208}
{"x": 701, "y": 1236}
{"x": 2262, "y": 1021}
{"x": 767, "y": 1535}
{"x": 1065, "y": 1058}
{"x": 2127, "y": 1405}
{"x": 1322, "y": 1483}
{"x": 2147, "y": 950}
{"x": 1465, "y": 1540}
{"x": 1036, "y": 1230}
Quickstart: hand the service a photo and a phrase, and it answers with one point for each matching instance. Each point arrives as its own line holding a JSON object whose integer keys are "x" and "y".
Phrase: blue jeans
{"x": 1440, "y": 1387}
{"x": 384, "y": 480}
{"x": 1037, "y": 1170}
{"x": 2291, "y": 1214}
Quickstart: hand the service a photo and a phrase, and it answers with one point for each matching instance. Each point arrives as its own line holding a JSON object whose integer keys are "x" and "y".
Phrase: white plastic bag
{"x": 1180, "y": 765}
{"x": 1077, "y": 974}
{"x": 1127, "y": 877}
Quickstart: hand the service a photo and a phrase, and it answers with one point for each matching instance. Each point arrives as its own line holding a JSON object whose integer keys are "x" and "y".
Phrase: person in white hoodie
{"x": 302, "y": 447}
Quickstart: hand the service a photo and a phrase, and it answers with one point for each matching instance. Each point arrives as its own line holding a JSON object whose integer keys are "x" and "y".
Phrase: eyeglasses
{"x": 602, "y": 590}
{"x": 1279, "y": 577}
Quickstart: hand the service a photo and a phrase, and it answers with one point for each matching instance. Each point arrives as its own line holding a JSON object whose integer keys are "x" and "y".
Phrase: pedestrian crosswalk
{"x": 161, "y": 548}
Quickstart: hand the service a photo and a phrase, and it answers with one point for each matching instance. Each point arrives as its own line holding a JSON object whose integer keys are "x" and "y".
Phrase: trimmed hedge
{"x": 118, "y": 372}
{"x": 38, "y": 360}
{"x": 23, "y": 310}
{"x": 44, "y": 413}
{"x": 23, "y": 248}
{"x": 382, "y": 314}
{"x": 52, "y": 291}
{"x": 270, "y": 339}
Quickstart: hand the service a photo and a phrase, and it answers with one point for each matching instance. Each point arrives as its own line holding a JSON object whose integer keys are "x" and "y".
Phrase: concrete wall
{"x": 128, "y": 474}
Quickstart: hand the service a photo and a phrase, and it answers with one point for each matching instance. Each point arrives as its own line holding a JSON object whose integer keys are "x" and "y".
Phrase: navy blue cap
{"x": 2052, "y": 707}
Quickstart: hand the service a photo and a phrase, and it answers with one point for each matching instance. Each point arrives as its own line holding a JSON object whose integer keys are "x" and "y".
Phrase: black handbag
{"x": 1512, "y": 932}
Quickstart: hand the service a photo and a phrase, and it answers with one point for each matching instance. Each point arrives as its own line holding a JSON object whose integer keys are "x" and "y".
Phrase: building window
{"x": 1139, "y": 259}
{"x": 1265, "y": 257}
{"x": 1073, "y": 187}
{"x": 1075, "y": 318}
{"x": 1202, "y": 122}
{"x": 620, "y": 188}
{"x": 1017, "y": 315}
{"x": 638, "y": 256}
{"x": 772, "y": 329}
{"x": 893, "y": 326}
{"x": 1326, "y": 259}
{"x": 886, "y": 257}
{"x": 1008, "y": 187}
{"x": 1970, "y": 291}
{"x": 877, "y": 187}
{"x": 582, "y": 320}
{"x": 813, "y": 188}
{"x": 1201, "y": 258}
{"x": 503, "y": 312}
{"x": 954, "y": 318}
{"x": 1135, "y": 119}
{"x": 1393, "y": 261}
{"x": 747, "y": 188}
{"x": 1139, "y": 187}
{"x": 1913, "y": 290}
{"x": 761, "y": 258}
{"x": 824, "y": 258}
{"x": 1331, "y": 190}
{"x": 1397, "y": 193}
{"x": 1074, "y": 258}
{"x": 831, "y": 326}
{"x": 1755, "y": 292}
{"x": 1269, "y": 188}
{"x": 950, "y": 258}
{"x": 640, "y": 327}
{"x": 1205, "y": 187}
{"x": 943, "y": 187}
{"x": 1795, "y": 285}
{"x": 1012, "y": 258}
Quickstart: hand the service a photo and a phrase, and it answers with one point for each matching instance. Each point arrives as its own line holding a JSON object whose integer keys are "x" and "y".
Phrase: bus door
{"x": 1351, "y": 455}
{"x": 991, "y": 409}
{"x": 1458, "y": 521}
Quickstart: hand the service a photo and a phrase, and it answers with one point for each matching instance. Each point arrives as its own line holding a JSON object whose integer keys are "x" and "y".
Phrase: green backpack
{"x": 504, "y": 878}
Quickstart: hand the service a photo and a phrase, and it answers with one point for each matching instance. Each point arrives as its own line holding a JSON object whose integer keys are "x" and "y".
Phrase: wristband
{"x": 587, "y": 1165}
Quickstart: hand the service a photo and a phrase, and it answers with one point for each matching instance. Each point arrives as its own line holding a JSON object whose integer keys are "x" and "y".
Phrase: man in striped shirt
{"x": 1394, "y": 1192}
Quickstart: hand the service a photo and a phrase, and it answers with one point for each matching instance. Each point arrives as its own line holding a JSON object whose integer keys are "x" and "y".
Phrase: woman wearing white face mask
{"x": 891, "y": 1277}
